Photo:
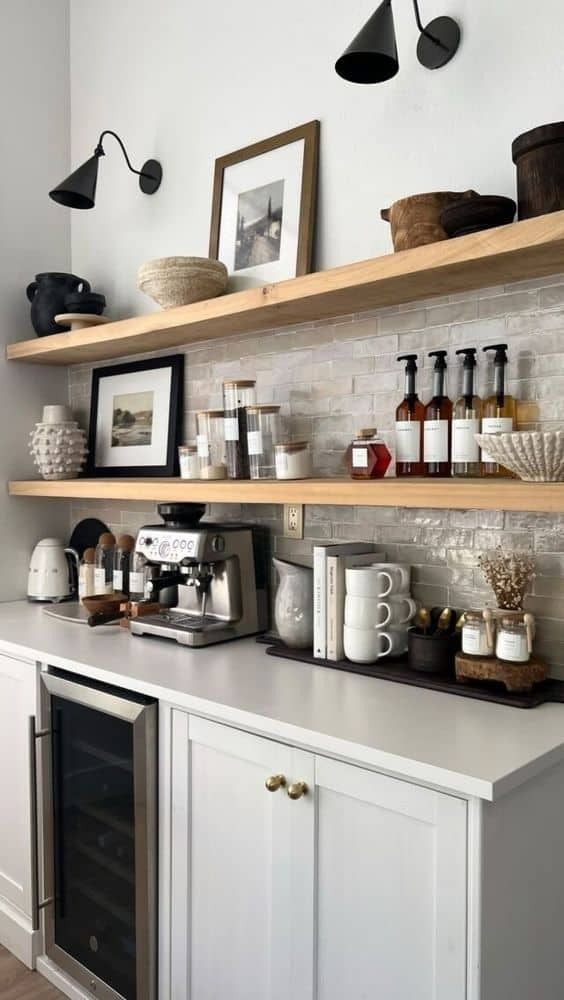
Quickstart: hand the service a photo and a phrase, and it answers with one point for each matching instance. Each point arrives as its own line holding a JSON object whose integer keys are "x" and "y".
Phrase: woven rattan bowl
{"x": 535, "y": 456}
{"x": 177, "y": 281}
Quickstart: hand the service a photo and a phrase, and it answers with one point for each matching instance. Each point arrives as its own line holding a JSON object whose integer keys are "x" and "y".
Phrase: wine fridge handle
{"x": 36, "y": 906}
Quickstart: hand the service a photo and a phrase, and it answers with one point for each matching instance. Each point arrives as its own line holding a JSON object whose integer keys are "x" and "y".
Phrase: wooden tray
{"x": 397, "y": 670}
{"x": 516, "y": 677}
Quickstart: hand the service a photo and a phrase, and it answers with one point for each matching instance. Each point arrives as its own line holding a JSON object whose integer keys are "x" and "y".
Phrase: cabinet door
{"x": 242, "y": 869}
{"x": 391, "y": 889}
{"x": 17, "y": 703}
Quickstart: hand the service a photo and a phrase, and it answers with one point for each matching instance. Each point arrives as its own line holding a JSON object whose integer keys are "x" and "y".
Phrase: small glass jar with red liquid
{"x": 367, "y": 457}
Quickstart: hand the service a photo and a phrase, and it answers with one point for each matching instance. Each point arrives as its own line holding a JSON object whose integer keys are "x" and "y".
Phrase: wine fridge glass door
{"x": 99, "y": 921}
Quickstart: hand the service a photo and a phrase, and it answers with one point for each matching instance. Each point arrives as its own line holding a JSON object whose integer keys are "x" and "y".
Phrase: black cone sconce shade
{"x": 372, "y": 56}
{"x": 79, "y": 188}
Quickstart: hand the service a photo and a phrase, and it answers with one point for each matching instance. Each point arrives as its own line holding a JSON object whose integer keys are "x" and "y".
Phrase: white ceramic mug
{"x": 369, "y": 612}
{"x": 366, "y": 645}
{"x": 377, "y": 580}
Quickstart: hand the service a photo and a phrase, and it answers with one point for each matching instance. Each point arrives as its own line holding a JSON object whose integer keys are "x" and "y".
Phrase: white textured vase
{"x": 58, "y": 446}
{"x": 293, "y": 605}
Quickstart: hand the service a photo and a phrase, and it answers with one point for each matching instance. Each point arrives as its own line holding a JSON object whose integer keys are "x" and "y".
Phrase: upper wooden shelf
{"x": 451, "y": 494}
{"x": 528, "y": 249}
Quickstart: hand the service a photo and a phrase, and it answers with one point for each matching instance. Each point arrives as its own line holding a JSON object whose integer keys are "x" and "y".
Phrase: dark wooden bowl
{"x": 473, "y": 214}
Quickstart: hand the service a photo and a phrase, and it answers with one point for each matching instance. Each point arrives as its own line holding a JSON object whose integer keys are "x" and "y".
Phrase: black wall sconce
{"x": 372, "y": 56}
{"x": 79, "y": 189}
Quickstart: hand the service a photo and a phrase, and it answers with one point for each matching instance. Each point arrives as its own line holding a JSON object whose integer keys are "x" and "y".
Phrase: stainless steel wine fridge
{"x": 99, "y": 799}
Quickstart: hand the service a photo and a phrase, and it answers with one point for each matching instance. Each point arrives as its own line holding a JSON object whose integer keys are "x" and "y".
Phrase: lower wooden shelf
{"x": 446, "y": 494}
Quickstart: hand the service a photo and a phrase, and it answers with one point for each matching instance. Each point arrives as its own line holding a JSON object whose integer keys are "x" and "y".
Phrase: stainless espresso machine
{"x": 220, "y": 571}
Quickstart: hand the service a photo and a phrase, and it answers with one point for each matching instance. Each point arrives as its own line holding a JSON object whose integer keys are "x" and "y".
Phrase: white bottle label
{"x": 118, "y": 579}
{"x": 360, "y": 458}
{"x": 231, "y": 427}
{"x": 465, "y": 448}
{"x": 254, "y": 442}
{"x": 408, "y": 441}
{"x": 100, "y": 580}
{"x": 137, "y": 583}
{"x": 495, "y": 425}
{"x": 203, "y": 446}
{"x": 435, "y": 441}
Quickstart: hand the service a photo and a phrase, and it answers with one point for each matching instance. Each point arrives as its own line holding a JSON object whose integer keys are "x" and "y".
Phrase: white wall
{"x": 34, "y": 236}
{"x": 189, "y": 81}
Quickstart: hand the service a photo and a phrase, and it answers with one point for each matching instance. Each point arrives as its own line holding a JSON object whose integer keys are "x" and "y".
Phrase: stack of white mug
{"x": 378, "y": 609}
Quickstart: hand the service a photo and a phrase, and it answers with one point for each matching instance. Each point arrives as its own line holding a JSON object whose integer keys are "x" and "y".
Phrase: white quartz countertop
{"x": 467, "y": 747}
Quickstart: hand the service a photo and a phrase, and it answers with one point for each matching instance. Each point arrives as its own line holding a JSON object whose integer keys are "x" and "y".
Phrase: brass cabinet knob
{"x": 275, "y": 782}
{"x": 297, "y": 789}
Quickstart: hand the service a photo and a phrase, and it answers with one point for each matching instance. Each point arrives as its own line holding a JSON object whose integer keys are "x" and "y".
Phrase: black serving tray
{"x": 397, "y": 670}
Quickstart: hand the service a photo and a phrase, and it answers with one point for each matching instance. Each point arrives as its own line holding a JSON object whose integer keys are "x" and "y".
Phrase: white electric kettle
{"x": 50, "y": 571}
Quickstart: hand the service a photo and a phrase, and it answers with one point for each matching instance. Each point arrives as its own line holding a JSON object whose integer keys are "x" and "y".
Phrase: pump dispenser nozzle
{"x": 440, "y": 363}
{"x": 500, "y": 353}
{"x": 411, "y": 359}
{"x": 469, "y": 356}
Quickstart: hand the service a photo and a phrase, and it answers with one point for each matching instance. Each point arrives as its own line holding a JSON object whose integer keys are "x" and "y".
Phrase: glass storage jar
{"x": 210, "y": 442}
{"x": 478, "y": 634}
{"x": 293, "y": 460}
{"x": 237, "y": 395}
{"x": 263, "y": 434}
{"x": 188, "y": 460}
{"x": 515, "y": 635}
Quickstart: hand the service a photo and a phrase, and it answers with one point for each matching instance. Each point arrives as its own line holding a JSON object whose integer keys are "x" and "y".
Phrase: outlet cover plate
{"x": 293, "y": 520}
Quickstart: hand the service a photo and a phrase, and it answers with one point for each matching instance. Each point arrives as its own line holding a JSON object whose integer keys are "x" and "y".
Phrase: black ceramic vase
{"x": 47, "y": 295}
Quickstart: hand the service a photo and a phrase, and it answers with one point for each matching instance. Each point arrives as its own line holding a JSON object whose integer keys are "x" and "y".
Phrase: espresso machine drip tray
{"x": 189, "y": 630}
{"x": 192, "y": 623}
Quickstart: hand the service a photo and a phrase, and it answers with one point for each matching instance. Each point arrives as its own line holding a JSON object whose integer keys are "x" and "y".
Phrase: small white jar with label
{"x": 514, "y": 639}
{"x": 478, "y": 634}
{"x": 189, "y": 461}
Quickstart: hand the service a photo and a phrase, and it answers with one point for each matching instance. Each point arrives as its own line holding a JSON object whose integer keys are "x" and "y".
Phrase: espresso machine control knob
{"x": 218, "y": 543}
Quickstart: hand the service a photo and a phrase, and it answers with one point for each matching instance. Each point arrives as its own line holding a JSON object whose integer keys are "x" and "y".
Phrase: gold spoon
{"x": 422, "y": 619}
{"x": 443, "y": 621}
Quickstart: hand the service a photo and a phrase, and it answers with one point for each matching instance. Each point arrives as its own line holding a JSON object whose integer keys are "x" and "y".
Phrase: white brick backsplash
{"x": 331, "y": 378}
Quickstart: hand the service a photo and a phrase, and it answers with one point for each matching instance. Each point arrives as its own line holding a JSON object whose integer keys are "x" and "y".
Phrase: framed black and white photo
{"x": 136, "y": 418}
{"x": 263, "y": 210}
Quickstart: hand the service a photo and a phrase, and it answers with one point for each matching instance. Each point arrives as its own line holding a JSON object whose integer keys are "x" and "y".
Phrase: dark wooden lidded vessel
{"x": 539, "y": 157}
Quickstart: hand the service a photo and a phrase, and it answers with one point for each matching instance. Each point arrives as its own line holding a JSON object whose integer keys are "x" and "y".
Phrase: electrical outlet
{"x": 293, "y": 520}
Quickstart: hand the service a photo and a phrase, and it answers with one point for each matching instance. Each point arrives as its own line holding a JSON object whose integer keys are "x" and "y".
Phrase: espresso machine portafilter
{"x": 220, "y": 571}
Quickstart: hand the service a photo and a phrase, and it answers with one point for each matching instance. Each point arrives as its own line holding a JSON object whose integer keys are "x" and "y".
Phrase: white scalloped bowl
{"x": 534, "y": 456}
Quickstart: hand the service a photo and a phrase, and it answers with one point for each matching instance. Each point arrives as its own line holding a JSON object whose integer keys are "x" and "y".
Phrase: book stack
{"x": 330, "y": 560}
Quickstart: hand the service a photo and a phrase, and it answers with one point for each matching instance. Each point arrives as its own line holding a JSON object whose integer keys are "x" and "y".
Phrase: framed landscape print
{"x": 136, "y": 418}
{"x": 263, "y": 210}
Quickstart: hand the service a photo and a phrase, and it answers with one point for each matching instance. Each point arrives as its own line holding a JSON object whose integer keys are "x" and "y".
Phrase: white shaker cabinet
{"x": 17, "y": 702}
{"x": 354, "y": 889}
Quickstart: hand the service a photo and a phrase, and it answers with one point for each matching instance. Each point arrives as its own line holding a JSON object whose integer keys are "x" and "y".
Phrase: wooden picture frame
{"x": 309, "y": 134}
{"x": 147, "y": 378}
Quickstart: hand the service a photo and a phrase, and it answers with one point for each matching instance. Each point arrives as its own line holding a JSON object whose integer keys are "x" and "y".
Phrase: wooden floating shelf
{"x": 529, "y": 249}
{"x": 452, "y": 494}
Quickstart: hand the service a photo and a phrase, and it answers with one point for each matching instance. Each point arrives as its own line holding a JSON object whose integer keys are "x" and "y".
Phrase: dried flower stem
{"x": 509, "y": 575}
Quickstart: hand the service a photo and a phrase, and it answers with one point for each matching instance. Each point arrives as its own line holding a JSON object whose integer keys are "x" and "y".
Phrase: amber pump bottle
{"x": 498, "y": 412}
{"x": 409, "y": 424}
{"x": 466, "y": 418}
{"x": 437, "y": 427}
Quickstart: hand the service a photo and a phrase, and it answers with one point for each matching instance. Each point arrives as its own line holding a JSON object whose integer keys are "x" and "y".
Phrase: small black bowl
{"x": 86, "y": 302}
{"x": 470, "y": 215}
{"x": 432, "y": 654}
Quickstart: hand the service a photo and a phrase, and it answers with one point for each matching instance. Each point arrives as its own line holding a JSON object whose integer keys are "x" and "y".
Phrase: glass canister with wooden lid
{"x": 210, "y": 442}
{"x": 263, "y": 434}
{"x": 238, "y": 394}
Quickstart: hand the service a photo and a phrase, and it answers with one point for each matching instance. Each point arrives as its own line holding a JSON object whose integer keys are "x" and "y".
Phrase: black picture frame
{"x": 175, "y": 414}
